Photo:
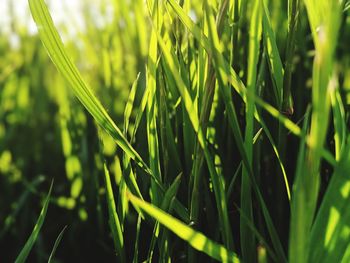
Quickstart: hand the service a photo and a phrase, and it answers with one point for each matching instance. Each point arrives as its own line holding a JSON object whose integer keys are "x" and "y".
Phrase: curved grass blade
{"x": 54, "y": 47}
{"x": 21, "y": 258}
{"x": 196, "y": 239}
{"x": 57, "y": 242}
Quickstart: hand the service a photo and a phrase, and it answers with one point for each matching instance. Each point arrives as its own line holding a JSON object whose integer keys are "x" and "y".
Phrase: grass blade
{"x": 152, "y": 105}
{"x": 57, "y": 242}
{"x": 330, "y": 234}
{"x": 274, "y": 59}
{"x": 21, "y": 258}
{"x": 54, "y": 47}
{"x": 196, "y": 239}
{"x": 191, "y": 111}
{"x": 248, "y": 242}
{"x": 129, "y": 105}
{"x": 114, "y": 222}
{"x": 296, "y": 248}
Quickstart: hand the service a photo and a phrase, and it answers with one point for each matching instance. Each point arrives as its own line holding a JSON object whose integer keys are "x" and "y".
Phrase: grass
{"x": 178, "y": 131}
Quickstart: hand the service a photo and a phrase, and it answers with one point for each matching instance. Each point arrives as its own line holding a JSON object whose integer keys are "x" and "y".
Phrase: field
{"x": 176, "y": 131}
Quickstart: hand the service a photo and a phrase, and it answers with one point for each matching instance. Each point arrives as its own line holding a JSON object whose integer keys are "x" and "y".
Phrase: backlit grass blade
{"x": 232, "y": 77}
{"x": 221, "y": 68}
{"x": 248, "y": 242}
{"x": 152, "y": 105}
{"x": 275, "y": 63}
{"x": 206, "y": 92}
{"x": 274, "y": 147}
{"x": 130, "y": 104}
{"x": 165, "y": 206}
{"x": 238, "y": 85}
{"x": 55, "y": 246}
{"x": 54, "y": 46}
{"x": 171, "y": 157}
{"x": 324, "y": 17}
{"x": 196, "y": 239}
{"x": 294, "y": 7}
{"x": 191, "y": 111}
{"x": 21, "y": 258}
{"x": 330, "y": 235}
{"x": 298, "y": 207}
{"x": 140, "y": 112}
{"x": 114, "y": 222}
{"x": 339, "y": 122}
{"x": 137, "y": 240}
{"x": 346, "y": 257}
{"x": 225, "y": 92}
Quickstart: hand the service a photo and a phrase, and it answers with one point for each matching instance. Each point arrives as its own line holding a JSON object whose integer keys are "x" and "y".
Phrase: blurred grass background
{"x": 39, "y": 139}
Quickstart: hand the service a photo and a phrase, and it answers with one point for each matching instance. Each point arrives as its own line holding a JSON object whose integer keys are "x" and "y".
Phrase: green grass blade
{"x": 21, "y": 258}
{"x": 294, "y": 7}
{"x": 240, "y": 88}
{"x": 324, "y": 17}
{"x": 10, "y": 219}
{"x": 221, "y": 68}
{"x": 165, "y": 206}
{"x": 257, "y": 234}
{"x": 274, "y": 59}
{"x": 136, "y": 248}
{"x": 140, "y": 112}
{"x": 339, "y": 122}
{"x": 55, "y": 246}
{"x": 114, "y": 222}
{"x": 196, "y": 239}
{"x": 298, "y": 206}
{"x": 130, "y": 104}
{"x": 54, "y": 47}
{"x": 330, "y": 234}
{"x": 152, "y": 105}
{"x": 248, "y": 242}
{"x": 346, "y": 257}
{"x": 222, "y": 75}
{"x": 191, "y": 111}
{"x": 171, "y": 157}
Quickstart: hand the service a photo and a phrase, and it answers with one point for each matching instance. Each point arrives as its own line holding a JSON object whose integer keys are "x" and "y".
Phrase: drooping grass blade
{"x": 196, "y": 239}
{"x": 55, "y": 48}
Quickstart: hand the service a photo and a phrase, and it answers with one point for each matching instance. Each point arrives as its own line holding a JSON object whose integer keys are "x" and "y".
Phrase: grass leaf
{"x": 55, "y": 48}
{"x": 196, "y": 239}
{"x": 21, "y": 258}
{"x": 57, "y": 242}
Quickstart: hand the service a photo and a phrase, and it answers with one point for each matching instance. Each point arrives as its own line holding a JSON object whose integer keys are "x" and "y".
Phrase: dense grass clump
{"x": 177, "y": 131}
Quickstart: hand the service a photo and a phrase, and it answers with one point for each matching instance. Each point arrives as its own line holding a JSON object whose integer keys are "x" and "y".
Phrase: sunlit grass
{"x": 178, "y": 131}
